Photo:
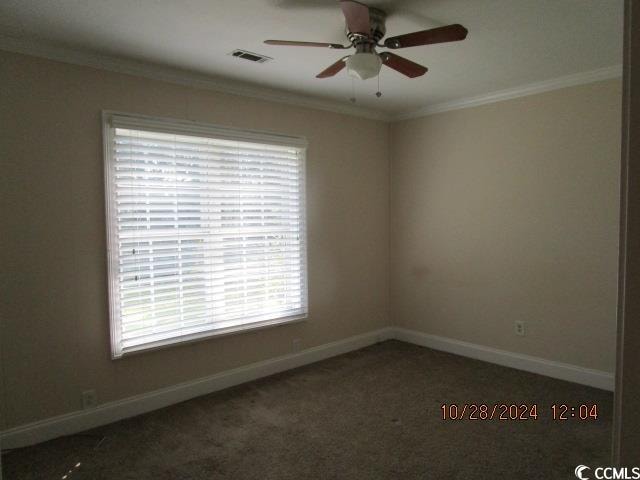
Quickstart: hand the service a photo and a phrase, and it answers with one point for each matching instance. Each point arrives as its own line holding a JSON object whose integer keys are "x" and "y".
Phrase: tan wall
{"x": 508, "y": 212}
{"x": 54, "y": 333}
{"x": 501, "y": 212}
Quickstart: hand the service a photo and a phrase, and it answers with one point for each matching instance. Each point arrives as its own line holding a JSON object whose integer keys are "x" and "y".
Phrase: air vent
{"x": 252, "y": 57}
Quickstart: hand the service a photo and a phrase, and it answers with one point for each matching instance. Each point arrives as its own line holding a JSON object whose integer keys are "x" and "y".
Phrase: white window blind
{"x": 206, "y": 231}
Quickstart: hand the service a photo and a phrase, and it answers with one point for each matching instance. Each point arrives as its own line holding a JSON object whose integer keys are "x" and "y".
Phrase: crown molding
{"x": 178, "y": 76}
{"x": 196, "y": 80}
{"x": 606, "y": 73}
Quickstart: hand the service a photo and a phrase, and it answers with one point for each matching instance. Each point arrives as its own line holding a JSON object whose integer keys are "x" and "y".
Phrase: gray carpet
{"x": 370, "y": 414}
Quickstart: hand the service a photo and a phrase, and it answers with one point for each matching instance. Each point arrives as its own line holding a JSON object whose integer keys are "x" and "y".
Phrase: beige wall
{"x": 506, "y": 212}
{"x": 54, "y": 331}
{"x": 501, "y": 212}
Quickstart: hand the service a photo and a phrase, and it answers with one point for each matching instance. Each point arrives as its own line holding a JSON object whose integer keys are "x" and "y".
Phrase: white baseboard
{"x": 79, "y": 421}
{"x": 541, "y": 366}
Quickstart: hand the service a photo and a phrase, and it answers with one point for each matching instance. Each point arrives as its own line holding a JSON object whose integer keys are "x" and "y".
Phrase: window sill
{"x": 219, "y": 332}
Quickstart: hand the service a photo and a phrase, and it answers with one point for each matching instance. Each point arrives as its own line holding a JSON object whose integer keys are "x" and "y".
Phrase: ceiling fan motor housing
{"x": 377, "y": 23}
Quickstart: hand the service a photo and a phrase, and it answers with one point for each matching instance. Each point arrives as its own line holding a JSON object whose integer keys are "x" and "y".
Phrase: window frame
{"x": 112, "y": 120}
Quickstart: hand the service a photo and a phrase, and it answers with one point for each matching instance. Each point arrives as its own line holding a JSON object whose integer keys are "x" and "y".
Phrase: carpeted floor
{"x": 370, "y": 414}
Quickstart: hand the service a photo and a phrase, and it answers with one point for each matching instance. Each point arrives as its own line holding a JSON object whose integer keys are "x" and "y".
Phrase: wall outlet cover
{"x": 89, "y": 399}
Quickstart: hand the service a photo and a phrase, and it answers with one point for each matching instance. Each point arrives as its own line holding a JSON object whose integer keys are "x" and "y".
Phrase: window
{"x": 206, "y": 230}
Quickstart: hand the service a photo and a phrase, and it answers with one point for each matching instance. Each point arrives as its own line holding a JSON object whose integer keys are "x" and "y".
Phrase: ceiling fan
{"x": 365, "y": 27}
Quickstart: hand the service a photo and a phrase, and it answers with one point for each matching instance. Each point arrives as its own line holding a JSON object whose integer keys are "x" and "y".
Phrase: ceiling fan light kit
{"x": 365, "y": 28}
{"x": 363, "y": 65}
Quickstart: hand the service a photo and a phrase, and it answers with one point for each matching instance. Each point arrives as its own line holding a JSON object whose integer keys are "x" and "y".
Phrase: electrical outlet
{"x": 519, "y": 327}
{"x": 295, "y": 345}
{"x": 89, "y": 399}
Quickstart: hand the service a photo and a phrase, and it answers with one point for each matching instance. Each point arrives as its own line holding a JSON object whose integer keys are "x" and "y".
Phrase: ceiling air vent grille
{"x": 252, "y": 57}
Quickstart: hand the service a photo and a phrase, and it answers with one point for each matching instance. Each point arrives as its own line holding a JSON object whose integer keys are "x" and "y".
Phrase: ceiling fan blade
{"x": 450, "y": 33}
{"x": 357, "y": 16}
{"x": 402, "y": 65}
{"x": 331, "y": 70}
{"x": 293, "y": 43}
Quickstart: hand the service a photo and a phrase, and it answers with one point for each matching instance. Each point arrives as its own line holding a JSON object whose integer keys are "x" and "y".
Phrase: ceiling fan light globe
{"x": 363, "y": 65}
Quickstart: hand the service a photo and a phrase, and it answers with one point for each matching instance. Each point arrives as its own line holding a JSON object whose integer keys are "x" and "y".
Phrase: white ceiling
{"x": 510, "y": 42}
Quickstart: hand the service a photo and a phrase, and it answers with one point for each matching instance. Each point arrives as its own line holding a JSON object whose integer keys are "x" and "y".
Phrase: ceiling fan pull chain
{"x": 379, "y": 93}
